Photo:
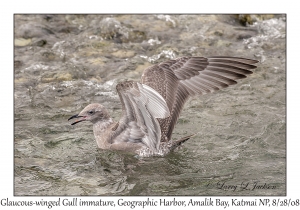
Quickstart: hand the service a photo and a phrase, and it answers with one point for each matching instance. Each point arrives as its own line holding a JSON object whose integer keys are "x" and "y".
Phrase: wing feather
{"x": 141, "y": 106}
{"x": 177, "y": 80}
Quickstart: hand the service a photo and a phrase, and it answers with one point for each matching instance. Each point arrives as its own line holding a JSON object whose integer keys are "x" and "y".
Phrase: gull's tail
{"x": 178, "y": 142}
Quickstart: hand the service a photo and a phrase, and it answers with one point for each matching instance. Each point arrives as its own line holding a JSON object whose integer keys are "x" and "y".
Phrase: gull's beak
{"x": 77, "y": 121}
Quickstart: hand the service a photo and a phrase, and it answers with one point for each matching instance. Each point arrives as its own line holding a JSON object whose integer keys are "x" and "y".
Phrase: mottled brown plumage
{"x": 151, "y": 108}
{"x": 177, "y": 80}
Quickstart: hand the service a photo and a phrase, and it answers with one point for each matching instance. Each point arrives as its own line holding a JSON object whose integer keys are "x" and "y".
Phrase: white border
{"x": 152, "y": 6}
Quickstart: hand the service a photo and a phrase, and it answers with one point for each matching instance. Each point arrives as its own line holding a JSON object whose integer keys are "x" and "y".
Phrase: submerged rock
{"x": 21, "y": 42}
{"x": 57, "y": 77}
{"x": 250, "y": 19}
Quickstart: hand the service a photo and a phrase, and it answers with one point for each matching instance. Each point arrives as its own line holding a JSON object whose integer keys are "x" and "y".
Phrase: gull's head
{"x": 92, "y": 113}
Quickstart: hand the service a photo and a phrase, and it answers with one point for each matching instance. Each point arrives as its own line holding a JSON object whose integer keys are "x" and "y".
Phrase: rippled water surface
{"x": 64, "y": 62}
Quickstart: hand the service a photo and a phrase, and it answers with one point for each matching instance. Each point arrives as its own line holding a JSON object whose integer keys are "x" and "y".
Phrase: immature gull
{"x": 151, "y": 107}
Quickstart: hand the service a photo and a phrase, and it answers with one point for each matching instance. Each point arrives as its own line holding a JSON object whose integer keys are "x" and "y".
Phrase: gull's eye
{"x": 91, "y": 112}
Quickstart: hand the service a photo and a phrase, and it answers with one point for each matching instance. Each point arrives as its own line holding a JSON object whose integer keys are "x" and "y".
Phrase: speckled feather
{"x": 151, "y": 108}
{"x": 177, "y": 80}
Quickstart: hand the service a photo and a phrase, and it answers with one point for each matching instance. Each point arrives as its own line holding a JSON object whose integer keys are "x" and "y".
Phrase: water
{"x": 64, "y": 62}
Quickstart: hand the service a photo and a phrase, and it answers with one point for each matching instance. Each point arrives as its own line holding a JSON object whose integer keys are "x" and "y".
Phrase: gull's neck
{"x": 101, "y": 132}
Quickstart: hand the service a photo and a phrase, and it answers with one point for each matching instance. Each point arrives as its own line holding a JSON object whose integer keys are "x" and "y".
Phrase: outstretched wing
{"x": 141, "y": 106}
{"x": 178, "y": 79}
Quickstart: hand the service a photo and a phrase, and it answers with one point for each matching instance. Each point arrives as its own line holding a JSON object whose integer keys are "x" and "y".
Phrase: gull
{"x": 151, "y": 107}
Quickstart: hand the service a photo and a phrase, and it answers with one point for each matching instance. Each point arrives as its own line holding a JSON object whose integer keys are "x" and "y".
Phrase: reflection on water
{"x": 64, "y": 62}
